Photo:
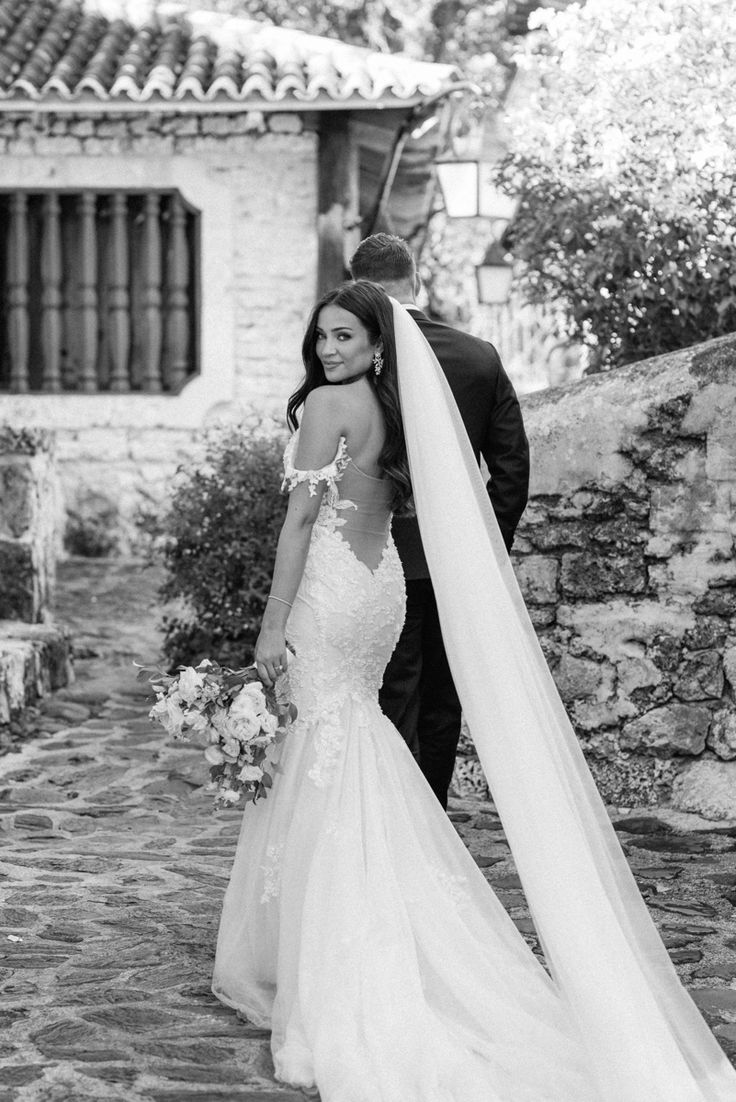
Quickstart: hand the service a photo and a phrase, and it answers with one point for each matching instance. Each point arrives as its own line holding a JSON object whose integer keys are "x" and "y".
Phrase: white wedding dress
{"x": 356, "y": 925}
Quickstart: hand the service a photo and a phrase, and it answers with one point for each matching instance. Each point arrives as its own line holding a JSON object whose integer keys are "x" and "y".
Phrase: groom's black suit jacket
{"x": 490, "y": 411}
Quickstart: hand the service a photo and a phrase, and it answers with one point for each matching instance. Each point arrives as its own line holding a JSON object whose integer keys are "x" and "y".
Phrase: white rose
{"x": 168, "y": 713}
{"x": 250, "y": 773}
{"x": 197, "y": 722}
{"x": 247, "y": 728}
{"x": 190, "y": 684}
{"x": 230, "y": 749}
{"x": 254, "y": 690}
{"x": 223, "y": 725}
{"x": 229, "y": 795}
{"x": 213, "y": 754}
{"x": 249, "y": 700}
{"x": 269, "y": 723}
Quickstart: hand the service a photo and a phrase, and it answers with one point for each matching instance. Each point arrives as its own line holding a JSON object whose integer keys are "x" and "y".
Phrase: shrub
{"x": 622, "y": 156}
{"x": 91, "y": 531}
{"x": 218, "y": 541}
{"x": 631, "y": 282}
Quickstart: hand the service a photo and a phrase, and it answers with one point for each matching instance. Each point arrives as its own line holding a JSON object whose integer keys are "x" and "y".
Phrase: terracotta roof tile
{"x": 51, "y": 49}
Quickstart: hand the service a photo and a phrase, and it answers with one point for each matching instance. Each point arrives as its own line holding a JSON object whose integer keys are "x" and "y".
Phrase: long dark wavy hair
{"x": 371, "y": 306}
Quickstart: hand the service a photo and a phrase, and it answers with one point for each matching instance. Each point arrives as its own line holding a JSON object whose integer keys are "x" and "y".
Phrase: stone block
{"x": 19, "y": 588}
{"x": 17, "y": 493}
{"x": 537, "y": 578}
{"x": 153, "y": 144}
{"x": 722, "y": 734}
{"x": 707, "y": 788}
{"x": 729, "y": 666}
{"x": 586, "y": 575}
{"x": 81, "y": 128}
{"x": 713, "y": 404}
{"x": 623, "y": 628}
{"x": 709, "y": 633}
{"x": 560, "y": 535}
{"x": 104, "y": 147}
{"x": 696, "y": 565}
{"x": 682, "y": 506}
{"x": 665, "y": 651}
{"x": 700, "y": 677}
{"x": 717, "y": 601}
{"x": 57, "y": 147}
{"x": 35, "y": 659}
{"x": 721, "y": 461}
{"x": 286, "y": 122}
{"x": 181, "y": 126}
{"x": 637, "y": 672}
{"x": 583, "y": 679}
{"x": 670, "y": 729}
{"x": 111, "y": 128}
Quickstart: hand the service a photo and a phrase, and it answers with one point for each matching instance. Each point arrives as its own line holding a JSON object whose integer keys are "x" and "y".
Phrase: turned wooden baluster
{"x": 151, "y": 295}
{"x": 51, "y": 294}
{"x": 87, "y": 287}
{"x": 177, "y": 304}
{"x": 18, "y": 329}
{"x": 119, "y": 296}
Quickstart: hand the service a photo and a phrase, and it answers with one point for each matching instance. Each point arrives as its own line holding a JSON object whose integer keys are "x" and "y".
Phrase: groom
{"x": 418, "y": 693}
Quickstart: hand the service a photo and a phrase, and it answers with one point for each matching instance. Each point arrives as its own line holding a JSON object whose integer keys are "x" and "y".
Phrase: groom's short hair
{"x": 383, "y": 258}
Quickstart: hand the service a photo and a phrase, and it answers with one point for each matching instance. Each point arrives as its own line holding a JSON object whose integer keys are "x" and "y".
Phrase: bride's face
{"x": 343, "y": 345}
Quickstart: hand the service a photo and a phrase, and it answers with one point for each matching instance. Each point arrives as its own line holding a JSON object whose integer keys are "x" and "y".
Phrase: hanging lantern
{"x": 494, "y": 275}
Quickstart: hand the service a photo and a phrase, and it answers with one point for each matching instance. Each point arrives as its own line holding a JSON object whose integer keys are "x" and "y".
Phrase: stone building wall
{"x": 34, "y": 655}
{"x": 625, "y": 556}
{"x": 28, "y": 494}
{"x": 254, "y": 179}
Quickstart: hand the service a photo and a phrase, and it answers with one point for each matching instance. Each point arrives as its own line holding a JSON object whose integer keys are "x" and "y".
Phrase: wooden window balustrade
{"x": 98, "y": 292}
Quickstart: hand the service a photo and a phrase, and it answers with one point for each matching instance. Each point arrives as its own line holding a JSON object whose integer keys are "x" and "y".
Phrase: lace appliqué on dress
{"x": 272, "y": 873}
{"x": 331, "y": 473}
{"x": 327, "y": 743}
{"x": 454, "y": 886}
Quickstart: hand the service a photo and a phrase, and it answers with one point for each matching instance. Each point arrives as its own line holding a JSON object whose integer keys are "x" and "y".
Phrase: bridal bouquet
{"x": 242, "y": 721}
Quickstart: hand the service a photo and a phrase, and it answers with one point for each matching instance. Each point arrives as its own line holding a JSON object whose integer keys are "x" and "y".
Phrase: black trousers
{"x": 418, "y": 694}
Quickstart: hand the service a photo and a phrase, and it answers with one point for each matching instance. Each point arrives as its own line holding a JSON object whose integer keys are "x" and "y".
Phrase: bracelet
{"x": 273, "y": 597}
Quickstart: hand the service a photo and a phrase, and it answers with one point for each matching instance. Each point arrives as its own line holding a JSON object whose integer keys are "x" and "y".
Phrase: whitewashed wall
{"x": 254, "y": 179}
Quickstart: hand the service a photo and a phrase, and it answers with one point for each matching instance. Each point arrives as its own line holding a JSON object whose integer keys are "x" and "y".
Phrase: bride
{"x": 356, "y": 926}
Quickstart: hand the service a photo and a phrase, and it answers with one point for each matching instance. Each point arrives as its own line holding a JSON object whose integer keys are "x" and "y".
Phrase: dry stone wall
{"x": 625, "y": 556}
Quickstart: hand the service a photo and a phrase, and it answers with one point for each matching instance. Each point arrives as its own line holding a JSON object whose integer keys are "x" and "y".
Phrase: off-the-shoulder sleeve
{"x": 331, "y": 474}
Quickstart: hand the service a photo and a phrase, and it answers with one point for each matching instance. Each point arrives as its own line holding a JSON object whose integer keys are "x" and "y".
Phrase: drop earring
{"x": 377, "y": 362}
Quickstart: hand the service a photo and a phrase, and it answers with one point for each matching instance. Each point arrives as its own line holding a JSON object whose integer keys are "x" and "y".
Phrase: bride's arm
{"x": 319, "y": 438}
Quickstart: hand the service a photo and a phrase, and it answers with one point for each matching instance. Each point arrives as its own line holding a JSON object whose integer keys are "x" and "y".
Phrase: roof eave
{"x": 189, "y": 105}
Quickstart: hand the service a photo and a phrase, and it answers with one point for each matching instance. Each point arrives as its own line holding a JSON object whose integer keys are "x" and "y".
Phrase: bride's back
{"x": 365, "y": 494}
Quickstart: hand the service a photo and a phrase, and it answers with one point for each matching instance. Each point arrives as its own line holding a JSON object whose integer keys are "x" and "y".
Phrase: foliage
{"x": 91, "y": 534}
{"x": 459, "y": 32}
{"x": 219, "y": 543}
{"x": 622, "y": 157}
{"x": 631, "y": 281}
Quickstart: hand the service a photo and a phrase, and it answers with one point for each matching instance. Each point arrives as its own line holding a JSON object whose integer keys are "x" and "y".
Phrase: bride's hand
{"x": 270, "y": 654}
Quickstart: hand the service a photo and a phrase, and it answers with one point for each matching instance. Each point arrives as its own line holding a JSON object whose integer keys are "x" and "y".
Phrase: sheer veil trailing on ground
{"x": 644, "y": 1037}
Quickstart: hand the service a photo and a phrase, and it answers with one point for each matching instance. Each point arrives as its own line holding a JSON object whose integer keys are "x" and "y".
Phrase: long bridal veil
{"x": 644, "y": 1038}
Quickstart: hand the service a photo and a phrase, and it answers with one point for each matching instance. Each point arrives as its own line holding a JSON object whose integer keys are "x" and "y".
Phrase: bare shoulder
{"x": 336, "y": 408}
{"x": 324, "y": 400}
{"x": 325, "y": 419}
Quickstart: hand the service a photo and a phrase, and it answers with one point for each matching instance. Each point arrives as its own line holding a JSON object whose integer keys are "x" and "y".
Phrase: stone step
{"x": 35, "y": 659}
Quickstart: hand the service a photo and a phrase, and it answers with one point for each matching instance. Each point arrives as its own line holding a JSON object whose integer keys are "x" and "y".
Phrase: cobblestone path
{"x": 112, "y": 869}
